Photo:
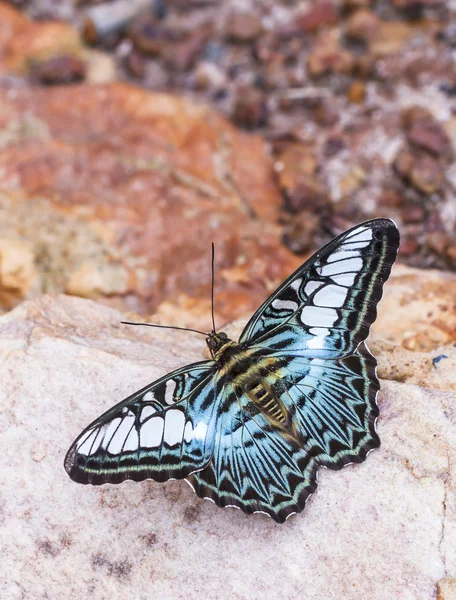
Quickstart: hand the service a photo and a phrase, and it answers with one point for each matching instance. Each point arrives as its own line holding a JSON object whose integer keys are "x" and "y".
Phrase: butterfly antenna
{"x": 165, "y": 327}
{"x": 212, "y": 290}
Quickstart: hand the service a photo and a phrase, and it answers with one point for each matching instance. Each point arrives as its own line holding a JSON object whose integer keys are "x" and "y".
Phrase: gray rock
{"x": 381, "y": 530}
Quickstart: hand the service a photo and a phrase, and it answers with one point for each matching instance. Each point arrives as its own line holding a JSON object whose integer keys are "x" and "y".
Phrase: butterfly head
{"x": 216, "y": 342}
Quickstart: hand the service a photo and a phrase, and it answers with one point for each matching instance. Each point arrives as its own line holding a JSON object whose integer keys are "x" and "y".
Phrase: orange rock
{"x": 357, "y": 92}
{"x": 145, "y": 182}
{"x": 17, "y": 270}
{"x": 23, "y": 41}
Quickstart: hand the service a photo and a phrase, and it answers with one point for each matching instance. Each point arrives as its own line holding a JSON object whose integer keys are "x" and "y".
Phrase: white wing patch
{"x": 312, "y": 286}
{"x": 314, "y": 316}
{"x": 118, "y": 439}
{"x": 342, "y": 255}
{"x": 174, "y": 427}
{"x": 152, "y": 432}
{"x": 345, "y": 279}
{"x": 363, "y": 234}
{"x": 147, "y": 412}
{"x": 132, "y": 441}
{"x": 332, "y": 296}
{"x": 170, "y": 389}
{"x": 342, "y": 266}
{"x": 285, "y": 304}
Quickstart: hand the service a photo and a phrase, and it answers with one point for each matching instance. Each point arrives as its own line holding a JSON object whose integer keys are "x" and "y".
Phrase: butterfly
{"x": 251, "y": 427}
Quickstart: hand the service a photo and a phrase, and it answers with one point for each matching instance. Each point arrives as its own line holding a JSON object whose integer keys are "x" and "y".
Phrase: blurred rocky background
{"x": 133, "y": 133}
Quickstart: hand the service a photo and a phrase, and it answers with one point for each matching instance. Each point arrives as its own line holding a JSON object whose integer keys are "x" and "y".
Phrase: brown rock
{"x": 422, "y": 171}
{"x": 391, "y": 37}
{"x": 333, "y": 145}
{"x": 136, "y": 185}
{"x": 148, "y": 36}
{"x": 390, "y": 198}
{"x": 418, "y": 311}
{"x": 296, "y": 173}
{"x": 321, "y": 13}
{"x": 409, "y": 246}
{"x": 136, "y": 64}
{"x": 325, "y": 113}
{"x": 300, "y": 231}
{"x": 250, "y": 109}
{"x": 328, "y": 56}
{"x": 363, "y": 25}
{"x": 60, "y": 70}
{"x": 24, "y": 42}
{"x": 350, "y": 5}
{"x": 429, "y": 135}
{"x": 427, "y": 175}
{"x": 357, "y": 92}
{"x": 243, "y": 26}
{"x": 413, "y": 213}
{"x": 182, "y": 55}
{"x": 423, "y": 131}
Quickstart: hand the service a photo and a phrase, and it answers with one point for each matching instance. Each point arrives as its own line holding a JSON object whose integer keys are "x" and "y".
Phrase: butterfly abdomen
{"x": 246, "y": 375}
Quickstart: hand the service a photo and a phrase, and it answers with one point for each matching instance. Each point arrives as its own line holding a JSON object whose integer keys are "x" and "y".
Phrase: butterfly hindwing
{"x": 258, "y": 468}
{"x": 255, "y": 467}
{"x": 327, "y": 306}
{"x": 165, "y": 430}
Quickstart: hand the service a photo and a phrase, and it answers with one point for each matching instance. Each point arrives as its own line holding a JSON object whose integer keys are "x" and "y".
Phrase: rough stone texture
{"x": 380, "y": 530}
{"x": 119, "y": 193}
{"x": 414, "y": 335}
{"x": 23, "y": 41}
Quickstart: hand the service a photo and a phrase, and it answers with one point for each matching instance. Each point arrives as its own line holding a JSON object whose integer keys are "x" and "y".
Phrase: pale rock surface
{"x": 381, "y": 530}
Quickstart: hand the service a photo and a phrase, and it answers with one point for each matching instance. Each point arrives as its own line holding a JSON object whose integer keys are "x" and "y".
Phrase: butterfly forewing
{"x": 328, "y": 305}
{"x": 165, "y": 430}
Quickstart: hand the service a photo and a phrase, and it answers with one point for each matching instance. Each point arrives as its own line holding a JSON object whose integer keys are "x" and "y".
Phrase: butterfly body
{"x": 251, "y": 427}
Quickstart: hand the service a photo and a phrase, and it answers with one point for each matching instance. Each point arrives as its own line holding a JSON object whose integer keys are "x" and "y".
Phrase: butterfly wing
{"x": 166, "y": 430}
{"x": 255, "y": 467}
{"x": 327, "y": 306}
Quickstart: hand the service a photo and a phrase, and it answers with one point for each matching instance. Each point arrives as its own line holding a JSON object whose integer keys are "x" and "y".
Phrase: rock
{"x": 416, "y": 324}
{"x": 357, "y": 92}
{"x": 328, "y": 55}
{"x": 299, "y": 231}
{"x": 250, "y": 109}
{"x": 350, "y": 5}
{"x": 363, "y": 25}
{"x": 382, "y": 37}
{"x": 17, "y": 270}
{"x": 391, "y": 37}
{"x": 60, "y": 70}
{"x": 423, "y": 131}
{"x": 243, "y": 26}
{"x": 391, "y": 198}
{"x": 352, "y": 180}
{"x": 296, "y": 169}
{"x": 137, "y": 185}
{"x": 64, "y": 361}
{"x": 148, "y": 36}
{"x": 321, "y": 14}
{"x": 422, "y": 171}
{"x": 182, "y": 55}
{"x": 24, "y": 42}
{"x": 333, "y": 145}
